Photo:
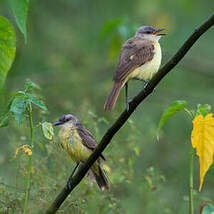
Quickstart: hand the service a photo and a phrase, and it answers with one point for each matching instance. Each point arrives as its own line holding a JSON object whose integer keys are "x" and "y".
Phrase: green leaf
{"x": 203, "y": 109}
{"x": 109, "y": 27}
{"x": 18, "y": 108}
{"x": 7, "y": 48}
{"x": 29, "y": 85}
{"x": 208, "y": 209}
{"x": 36, "y": 101}
{"x": 20, "y": 8}
{"x": 48, "y": 131}
{"x": 4, "y": 120}
{"x": 169, "y": 112}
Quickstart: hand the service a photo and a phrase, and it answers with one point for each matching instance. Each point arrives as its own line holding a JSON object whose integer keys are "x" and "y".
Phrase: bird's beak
{"x": 156, "y": 33}
{"x": 57, "y": 123}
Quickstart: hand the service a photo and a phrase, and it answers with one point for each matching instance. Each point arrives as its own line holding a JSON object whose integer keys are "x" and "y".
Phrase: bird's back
{"x": 136, "y": 52}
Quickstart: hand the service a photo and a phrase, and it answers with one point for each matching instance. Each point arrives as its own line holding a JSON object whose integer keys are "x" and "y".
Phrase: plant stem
{"x": 191, "y": 173}
{"x": 28, "y": 182}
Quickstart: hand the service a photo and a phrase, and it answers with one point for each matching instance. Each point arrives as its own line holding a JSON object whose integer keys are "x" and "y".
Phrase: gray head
{"x": 67, "y": 118}
{"x": 149, "y": 32}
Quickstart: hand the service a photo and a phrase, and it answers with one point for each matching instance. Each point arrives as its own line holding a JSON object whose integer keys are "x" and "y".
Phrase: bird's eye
{"x": 148, "y": 32}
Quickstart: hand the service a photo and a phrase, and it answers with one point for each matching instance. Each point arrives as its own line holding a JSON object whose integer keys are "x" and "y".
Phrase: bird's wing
{"x": 87, "y": 138}
{"x": 135, "y": 52}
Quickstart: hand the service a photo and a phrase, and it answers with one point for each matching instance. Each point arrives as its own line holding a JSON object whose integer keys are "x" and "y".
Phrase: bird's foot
{"x": 69, "y": 183}
{"x": 146, "y": 83}
{"x": 127, "y": 104}
{"x": 70, "y": 177}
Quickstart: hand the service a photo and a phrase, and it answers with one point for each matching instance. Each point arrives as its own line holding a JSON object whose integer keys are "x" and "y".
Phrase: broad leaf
{"x": 20, "y": 8}
{"x": 7, "y": 48}
{"x": 36, "y": 101}
{"x": 48, "y": 131}
{"x": 203, "y": 140}
{"x": 18, "y": 108}
{"x": 203, "y": 109}
{"x": 169, "y": 112}
{"x": 4, "y": 120}
{"x": 208, "y": 209}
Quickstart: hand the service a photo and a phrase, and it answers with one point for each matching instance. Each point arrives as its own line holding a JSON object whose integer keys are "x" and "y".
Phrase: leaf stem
{"x": 28, "y": 182}
{"x": 191, "y": 173}
{"x": 189, "y": 113}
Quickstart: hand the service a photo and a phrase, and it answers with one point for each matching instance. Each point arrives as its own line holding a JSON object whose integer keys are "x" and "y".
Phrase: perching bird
{"x": 79, "y": 144}
{"x": 140, "y": 59}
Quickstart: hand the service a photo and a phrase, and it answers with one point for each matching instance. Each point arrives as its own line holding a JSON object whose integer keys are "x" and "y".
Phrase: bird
{"x": 140, "y": 59}
{"x": 79, "y": 143}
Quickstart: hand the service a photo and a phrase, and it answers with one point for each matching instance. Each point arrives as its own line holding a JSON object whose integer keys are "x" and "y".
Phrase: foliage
{"x": 20, "y": 8}
{"x": 48, "y": 130}
{"x": 20, "y": 107}
{"x": 8, "y": 36}
{"x": 169, "y": 112}
{"x": 68, "y": 57}
{"x": 19, "y": 104}
{"x": 203, "y": 140}
{"x": 50, "y": 171}
{"x": 7, "y": 48}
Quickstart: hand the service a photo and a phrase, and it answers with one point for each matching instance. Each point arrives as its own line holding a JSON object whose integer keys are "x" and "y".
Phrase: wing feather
{"x": 135, "y": 52}
{"x": 87, "y": 138}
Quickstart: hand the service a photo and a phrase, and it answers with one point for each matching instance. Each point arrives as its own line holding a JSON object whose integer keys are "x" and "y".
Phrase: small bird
{"x": 79, "y": 143}
{"x": 140, "y": 59}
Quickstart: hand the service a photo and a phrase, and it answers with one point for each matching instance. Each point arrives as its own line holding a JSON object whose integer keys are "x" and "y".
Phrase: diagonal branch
{"x": 126, "y": 114}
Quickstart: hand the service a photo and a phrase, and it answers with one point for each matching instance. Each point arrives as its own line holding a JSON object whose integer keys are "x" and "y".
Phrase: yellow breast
{"x": 72, "y": 143}
{"x": 147, "y": 70}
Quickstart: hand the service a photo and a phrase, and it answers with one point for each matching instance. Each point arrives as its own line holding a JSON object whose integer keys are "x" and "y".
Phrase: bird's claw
{"x": 69, "y": 184}
{"x": 127, "y": 104}
{"x": 146, "y": 83}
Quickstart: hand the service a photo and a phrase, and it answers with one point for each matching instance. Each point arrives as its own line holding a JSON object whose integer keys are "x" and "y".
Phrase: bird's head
{"x": 150, "y": 33}
{"x": 67, "y": 119}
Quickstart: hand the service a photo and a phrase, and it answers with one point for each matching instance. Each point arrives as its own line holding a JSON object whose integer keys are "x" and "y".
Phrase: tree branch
{"x": 126, "y": 114}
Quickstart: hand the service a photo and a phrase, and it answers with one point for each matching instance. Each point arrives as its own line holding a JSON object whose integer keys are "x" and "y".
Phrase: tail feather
{"x": 100, "y": 178}
{"x": 112, "y": 98}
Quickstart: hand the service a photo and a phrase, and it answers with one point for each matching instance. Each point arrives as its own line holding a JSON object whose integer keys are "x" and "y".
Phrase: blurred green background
{"x": 72, "y": 50}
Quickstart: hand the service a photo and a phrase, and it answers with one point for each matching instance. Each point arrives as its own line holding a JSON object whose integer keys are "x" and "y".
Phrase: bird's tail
{"x": 99, "y": 176}
{"x": 112, "y": 98}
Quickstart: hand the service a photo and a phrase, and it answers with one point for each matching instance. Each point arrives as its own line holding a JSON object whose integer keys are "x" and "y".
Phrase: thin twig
{"x": 126, "y": 114}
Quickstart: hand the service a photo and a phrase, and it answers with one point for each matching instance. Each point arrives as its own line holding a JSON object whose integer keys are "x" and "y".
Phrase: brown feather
{"x": 135, "y": 52}
{"x": 87, "y": 138}
{"x": 101, "y": 179}
{"x": 112, "y": 98}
